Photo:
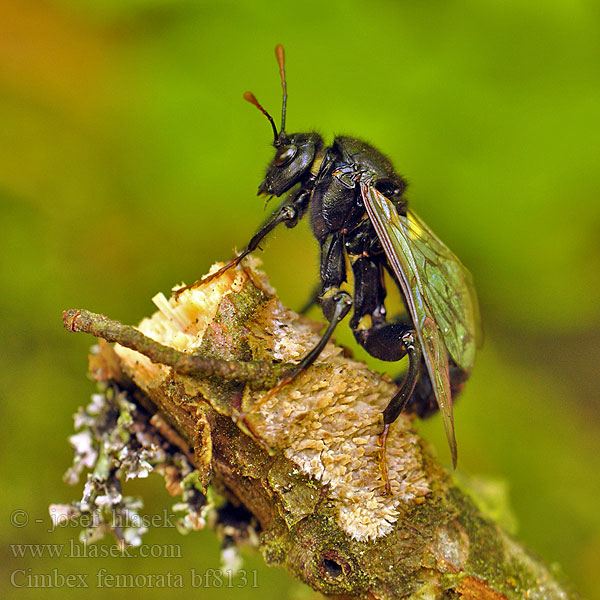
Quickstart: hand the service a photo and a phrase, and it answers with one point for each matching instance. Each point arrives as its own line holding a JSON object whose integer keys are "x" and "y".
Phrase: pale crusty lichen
{"x": 116, "y": 442}
{"x": 327, "y": 421}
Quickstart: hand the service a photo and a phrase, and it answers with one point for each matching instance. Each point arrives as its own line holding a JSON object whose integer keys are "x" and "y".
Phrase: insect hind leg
{"x": 386, "y": 341}
{"x": 392, "y": 342}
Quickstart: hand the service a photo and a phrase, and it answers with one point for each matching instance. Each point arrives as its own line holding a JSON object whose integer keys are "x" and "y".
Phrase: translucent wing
{"x": 448, "y": 290}
{"x": 438, "y": 291}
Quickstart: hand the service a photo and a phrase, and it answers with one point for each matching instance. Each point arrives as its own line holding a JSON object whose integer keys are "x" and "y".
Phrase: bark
{"x": 303, "y": 459}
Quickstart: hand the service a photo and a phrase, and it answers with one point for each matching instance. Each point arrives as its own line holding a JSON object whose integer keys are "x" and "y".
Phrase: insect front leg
{"x": 290, "y": 212}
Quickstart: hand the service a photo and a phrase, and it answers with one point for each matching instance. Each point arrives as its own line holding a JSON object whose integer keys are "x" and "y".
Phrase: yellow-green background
{"x": 129, "y": 162}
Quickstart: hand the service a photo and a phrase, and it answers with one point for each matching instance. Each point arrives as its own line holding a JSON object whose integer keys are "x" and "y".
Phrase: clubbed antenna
{"x": 250, "y": 97}
{"x": 280, "y": 55}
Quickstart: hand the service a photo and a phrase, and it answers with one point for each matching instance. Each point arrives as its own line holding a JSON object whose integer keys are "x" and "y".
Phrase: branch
{"x": 304, "y": 459}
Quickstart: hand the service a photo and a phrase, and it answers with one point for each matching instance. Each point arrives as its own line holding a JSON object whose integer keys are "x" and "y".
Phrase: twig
{"x": 259, "y": 374}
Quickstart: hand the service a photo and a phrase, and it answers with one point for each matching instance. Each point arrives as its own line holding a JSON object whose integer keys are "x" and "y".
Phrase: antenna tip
{"x": 280, "y": 54}
{"x": 250, "y": 97}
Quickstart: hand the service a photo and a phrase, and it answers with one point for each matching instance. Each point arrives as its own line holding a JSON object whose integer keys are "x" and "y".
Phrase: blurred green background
{"x": 129, "y": 162}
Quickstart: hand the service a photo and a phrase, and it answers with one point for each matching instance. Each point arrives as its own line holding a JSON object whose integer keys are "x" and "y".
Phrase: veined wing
{"x": 438, "y": 292}
{"x": 448, "y": 290}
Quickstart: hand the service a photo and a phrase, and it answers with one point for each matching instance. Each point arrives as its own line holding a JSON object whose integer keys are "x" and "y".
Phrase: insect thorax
{"x": 336, "y": 205}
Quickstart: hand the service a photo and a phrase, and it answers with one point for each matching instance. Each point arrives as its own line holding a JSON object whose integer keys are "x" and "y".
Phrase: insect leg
{"x": 397, "y": 404}
{"x": 386, "y": 341}
{"x": 341, "y": 302}
{"x": 290, "y": 212}
{"x": 392, "y": 342}
{"x": 333, "y": 271}
{"x": 335, "y": 303}
{"x": 383, "y": 340}
{"x": 369, "y": 295}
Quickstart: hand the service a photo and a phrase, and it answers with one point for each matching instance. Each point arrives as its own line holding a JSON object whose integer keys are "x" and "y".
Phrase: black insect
{"x": 358, "y": 211}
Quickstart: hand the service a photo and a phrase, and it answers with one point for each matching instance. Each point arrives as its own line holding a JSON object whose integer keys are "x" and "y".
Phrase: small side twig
{"x": 259, "y": 374}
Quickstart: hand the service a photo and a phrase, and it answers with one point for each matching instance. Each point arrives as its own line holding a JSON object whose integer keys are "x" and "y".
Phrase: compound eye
{"x": 284, "y": 155}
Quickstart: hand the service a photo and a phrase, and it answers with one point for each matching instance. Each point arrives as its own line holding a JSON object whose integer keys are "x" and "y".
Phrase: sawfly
{"x": 359, "y": 215}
